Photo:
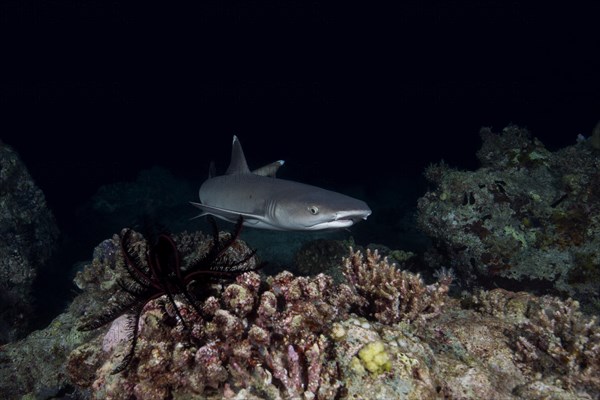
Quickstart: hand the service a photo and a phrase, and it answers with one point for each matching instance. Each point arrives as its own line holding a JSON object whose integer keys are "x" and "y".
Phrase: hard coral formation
{"x": 270, "y": 338}
{"x": 527, "y": 218}
{"x": 374, "y": 358}
{"x": 392, "y": 295}
{"x": 551, "y": 338}
{"x": 155, "y": 270}
{"x": 261, "y": 341}
{"x": 557, "y": 337}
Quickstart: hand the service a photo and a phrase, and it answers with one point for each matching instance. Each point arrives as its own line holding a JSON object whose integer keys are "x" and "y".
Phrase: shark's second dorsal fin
{"x": 269, "y": 169}
{"x": 212, "y": 170}
{"x": 238, "y": 163}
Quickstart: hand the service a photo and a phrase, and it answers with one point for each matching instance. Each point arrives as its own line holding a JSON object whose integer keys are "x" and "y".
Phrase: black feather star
{"x": 161, "y": 274}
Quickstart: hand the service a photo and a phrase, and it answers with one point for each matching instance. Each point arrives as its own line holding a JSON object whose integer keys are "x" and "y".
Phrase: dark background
{"x": 353, "y": 93}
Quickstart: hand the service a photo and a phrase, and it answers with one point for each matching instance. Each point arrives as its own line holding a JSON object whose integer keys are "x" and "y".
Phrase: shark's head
{"x": 319, "y": 209}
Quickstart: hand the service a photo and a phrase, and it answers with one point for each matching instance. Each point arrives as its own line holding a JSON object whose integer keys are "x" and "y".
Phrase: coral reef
{"x": 558, "y": 338}
{"x": 28, "y": 235}
{"x": 381, "y": 362}
{"x": 528, "y": 218}
{"x": 268, "y": 338}
{"x": 242, "y": 341}
{"x": 382, "y": 334}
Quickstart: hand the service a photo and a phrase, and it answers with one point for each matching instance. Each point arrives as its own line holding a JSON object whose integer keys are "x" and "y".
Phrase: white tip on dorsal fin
{"x": 269, "y": 169}
{"x": 238, "y": 163}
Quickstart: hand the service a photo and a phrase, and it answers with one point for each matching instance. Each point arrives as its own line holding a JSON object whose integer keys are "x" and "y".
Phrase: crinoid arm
{"x": 219, "y": 247}
{"x": 133, "y": 326}
{"x": 136, "y": 268}
{"x": 214, "y": 262}
{"x": 108, "y": 315}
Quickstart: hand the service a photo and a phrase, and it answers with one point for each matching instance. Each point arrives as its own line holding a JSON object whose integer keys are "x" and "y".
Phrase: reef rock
{"x": 28, "y": 235}
{"x": 527, "y": 219}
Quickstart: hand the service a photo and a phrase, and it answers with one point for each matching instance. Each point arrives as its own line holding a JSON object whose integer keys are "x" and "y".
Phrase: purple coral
{"x": 263, "y": 339}
{"x": 266, "y": 337}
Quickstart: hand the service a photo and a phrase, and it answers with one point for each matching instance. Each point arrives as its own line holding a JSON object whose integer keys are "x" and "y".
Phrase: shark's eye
{"x": 314, "y": 210}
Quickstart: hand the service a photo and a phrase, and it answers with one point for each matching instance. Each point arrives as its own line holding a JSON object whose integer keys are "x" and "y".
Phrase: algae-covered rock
{"x": 528, "y": 218}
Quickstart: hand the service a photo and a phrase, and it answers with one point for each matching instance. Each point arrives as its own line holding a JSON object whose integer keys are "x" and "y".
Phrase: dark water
{"x": 357, "y": 99}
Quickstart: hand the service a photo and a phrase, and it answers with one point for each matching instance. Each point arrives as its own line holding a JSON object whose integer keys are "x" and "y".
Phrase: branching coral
{"x": 550, "y": 337}
{"x": 557, "y": 337}
{"x": 390, "y": 294}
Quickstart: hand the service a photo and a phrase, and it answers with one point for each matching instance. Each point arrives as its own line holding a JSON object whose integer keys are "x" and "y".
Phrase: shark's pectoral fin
{"x": 228, "y": 215}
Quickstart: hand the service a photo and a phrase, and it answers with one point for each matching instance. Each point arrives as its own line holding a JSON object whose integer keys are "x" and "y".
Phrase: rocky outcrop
{"x": 28, "y": 235}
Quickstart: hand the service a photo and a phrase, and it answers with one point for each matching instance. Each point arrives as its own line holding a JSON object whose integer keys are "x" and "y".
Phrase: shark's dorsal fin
{"x": 269, "y": 169}
{"x": 238, "y": 163}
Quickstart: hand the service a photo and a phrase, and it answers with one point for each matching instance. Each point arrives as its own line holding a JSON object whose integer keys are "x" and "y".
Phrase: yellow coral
{"x": 375, "y": 358}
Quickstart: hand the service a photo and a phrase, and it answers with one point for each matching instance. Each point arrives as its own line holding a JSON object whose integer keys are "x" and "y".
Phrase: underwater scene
{"x": 271, "y": 293}
{"x": 299, "y": 200}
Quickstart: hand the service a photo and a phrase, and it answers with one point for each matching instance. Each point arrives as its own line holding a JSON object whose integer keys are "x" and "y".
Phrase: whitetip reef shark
{"x": 270, "y": 203}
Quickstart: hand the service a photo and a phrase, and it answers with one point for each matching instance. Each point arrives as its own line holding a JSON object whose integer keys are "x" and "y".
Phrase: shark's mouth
{"x": 342, "y": 219}
{"x": 340, "y": 223}
{"x": 353, "y": 216}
